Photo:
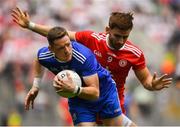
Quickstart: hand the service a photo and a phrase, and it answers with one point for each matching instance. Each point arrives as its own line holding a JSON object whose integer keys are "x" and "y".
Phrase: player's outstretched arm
{"x": 23, "y": 19}
{"x": 153, "y": 82}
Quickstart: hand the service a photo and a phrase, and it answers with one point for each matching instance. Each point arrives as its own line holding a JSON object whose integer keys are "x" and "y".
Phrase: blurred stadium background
{"x": 156, "y": 31}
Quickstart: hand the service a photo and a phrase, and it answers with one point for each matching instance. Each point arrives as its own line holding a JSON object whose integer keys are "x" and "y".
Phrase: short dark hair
{"x": 56, "y": 33}
{"x": 122, "y": 21}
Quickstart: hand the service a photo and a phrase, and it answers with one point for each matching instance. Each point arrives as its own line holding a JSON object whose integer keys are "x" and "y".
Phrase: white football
{"x": 75, "y": 78}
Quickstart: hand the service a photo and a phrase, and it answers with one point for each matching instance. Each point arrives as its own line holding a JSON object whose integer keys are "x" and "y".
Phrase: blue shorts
{"x": 106, "y": 107}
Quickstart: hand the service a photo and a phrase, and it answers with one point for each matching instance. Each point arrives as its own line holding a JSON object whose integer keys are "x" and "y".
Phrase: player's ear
{"x": 107, "y": 29}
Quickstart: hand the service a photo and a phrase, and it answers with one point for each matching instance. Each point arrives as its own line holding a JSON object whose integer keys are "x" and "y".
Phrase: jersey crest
{"x": 122, "y": 63}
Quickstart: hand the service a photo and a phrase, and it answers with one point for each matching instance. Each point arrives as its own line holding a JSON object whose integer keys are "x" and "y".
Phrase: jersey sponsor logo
{"x": 122, "y": 63}
{"x": 98, "y": 53}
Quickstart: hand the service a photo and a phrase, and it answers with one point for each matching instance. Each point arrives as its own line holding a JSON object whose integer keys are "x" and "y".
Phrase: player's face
{"x": 62, "y": 49}
{"x": 117, "y": 37}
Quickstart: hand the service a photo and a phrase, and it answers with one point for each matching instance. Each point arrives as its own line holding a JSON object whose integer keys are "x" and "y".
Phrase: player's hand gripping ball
{"x": 76, "y": 81}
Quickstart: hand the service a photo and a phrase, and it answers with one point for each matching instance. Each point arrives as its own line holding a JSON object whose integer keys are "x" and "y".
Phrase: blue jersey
{"x": 85, "y": 64}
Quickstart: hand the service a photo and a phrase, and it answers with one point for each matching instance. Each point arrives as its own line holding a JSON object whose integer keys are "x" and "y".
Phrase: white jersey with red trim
{"x": 118, "y": 62}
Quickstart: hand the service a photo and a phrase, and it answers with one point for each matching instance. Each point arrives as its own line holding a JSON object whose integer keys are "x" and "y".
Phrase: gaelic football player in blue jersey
{"x": 98, "y": 93}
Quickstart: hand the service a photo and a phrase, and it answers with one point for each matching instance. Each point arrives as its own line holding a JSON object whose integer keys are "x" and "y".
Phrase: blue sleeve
{"x": 90, "y": 66}
{"x": 41, "y": 50}
{"x": 38, "y": 53}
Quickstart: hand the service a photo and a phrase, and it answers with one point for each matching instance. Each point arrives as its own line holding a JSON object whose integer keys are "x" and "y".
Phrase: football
{"x": 75, "y": 78}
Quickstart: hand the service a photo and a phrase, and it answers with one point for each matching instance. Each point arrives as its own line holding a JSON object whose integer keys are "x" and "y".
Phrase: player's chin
{"x": 68, "y": 58}
{"x": 117, "y": 47}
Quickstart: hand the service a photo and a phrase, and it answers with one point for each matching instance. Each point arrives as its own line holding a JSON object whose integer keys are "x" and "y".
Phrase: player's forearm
{"x": 145, "y": 78}
{"x": 43, "y": 30}
{"x": 40, "y": 29}
{"x": 38, "y": 73}
{"x": 89, "y": 93}
{"x": 38, "y": 69}
{"x": 148, "y": 84}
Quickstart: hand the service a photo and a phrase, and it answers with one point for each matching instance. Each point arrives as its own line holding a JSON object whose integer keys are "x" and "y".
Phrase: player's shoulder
{"x": 131, "y": 47}
{"x": 78, "y": 48}
{"x": 96, "y": 36}
{"x": 130, "y": 43}
{"x": 99, "y": 36}
{"x": 44, "y": 51}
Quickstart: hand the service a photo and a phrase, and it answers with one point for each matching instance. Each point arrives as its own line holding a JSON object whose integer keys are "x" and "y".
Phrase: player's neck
{"x": 60, "y": 60}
